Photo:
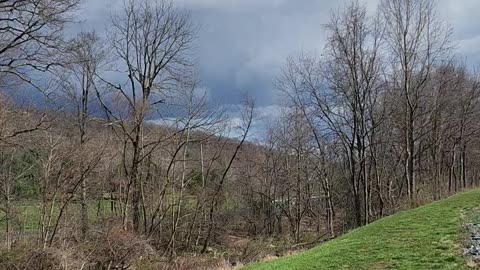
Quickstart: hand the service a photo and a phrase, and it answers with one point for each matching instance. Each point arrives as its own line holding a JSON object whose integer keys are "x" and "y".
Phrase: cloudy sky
{"x": 242, "y": 44}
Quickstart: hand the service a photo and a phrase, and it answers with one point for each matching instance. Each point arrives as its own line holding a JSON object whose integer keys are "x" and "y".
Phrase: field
{"x": 429, "y": 237}
{"x": 27, "y": 214}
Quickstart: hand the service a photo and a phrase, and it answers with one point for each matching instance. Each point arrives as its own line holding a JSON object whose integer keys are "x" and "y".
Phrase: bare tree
{"x": 418, "y": 41}
{"x": 339, "y": 94}
{"x": 247, "y": 120}
{"x": 151, "y": 40}
{"x": 85, "y": 58}
{"x": 31, "y": 35}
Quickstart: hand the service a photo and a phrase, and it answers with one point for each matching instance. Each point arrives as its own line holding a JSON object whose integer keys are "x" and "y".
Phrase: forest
{"x": 118, "y": 160}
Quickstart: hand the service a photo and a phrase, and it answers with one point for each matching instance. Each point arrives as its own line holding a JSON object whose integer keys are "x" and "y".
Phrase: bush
{"x": 38, "y": 259}
{"x": 114, "y": 248}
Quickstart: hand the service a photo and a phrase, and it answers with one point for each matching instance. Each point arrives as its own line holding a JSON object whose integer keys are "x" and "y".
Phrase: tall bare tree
{"x": 418, "y": 41}
{"x": 85, "y": 58}
{"x": 152, "y": 41}
{"x": 339, "y": 93}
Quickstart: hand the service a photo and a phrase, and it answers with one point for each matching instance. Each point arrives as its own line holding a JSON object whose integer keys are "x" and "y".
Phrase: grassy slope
{"x": 423, "y": 238}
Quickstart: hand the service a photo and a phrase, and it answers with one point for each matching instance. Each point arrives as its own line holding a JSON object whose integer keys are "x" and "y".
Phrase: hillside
{"x": 429, "y": 237}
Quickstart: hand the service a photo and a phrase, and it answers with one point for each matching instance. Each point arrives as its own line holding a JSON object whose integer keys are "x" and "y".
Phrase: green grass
{"x": 429, "y": 237}
{"x": 28, "y": 213}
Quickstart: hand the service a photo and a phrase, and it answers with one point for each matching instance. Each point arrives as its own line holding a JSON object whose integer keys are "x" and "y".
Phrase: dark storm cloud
{"x": 242, "y": 44}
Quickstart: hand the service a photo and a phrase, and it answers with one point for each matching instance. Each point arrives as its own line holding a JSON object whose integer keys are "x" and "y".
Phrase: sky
{"x": 242, "y": 44}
